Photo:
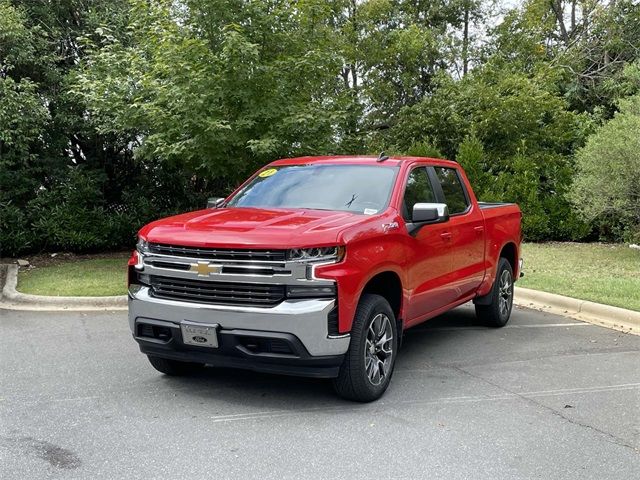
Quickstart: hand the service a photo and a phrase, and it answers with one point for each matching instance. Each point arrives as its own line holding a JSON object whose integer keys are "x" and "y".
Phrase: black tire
{"x": 498, "y": 311}
{"x": 174, "y": 367}
{"x": 354, "y": 381}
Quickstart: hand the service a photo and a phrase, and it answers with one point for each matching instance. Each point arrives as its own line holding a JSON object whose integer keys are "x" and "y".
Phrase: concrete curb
{"x": 627, "y": 321}
{"x": 14, "y": 300}
{"x": 620, "y": 319}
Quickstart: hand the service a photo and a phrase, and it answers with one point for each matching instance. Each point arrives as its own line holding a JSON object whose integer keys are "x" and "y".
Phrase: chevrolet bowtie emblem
{"x": 204, "y": 269}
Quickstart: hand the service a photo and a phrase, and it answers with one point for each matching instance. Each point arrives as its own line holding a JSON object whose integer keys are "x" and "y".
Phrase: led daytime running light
{"x": 316, "y": 254}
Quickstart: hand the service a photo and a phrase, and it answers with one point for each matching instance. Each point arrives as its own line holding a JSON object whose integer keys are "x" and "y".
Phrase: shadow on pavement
{"x": 254, "y": 389}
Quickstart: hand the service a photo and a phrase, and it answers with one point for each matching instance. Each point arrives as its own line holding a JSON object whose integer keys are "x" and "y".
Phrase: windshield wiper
{"x": 353, "y": 198}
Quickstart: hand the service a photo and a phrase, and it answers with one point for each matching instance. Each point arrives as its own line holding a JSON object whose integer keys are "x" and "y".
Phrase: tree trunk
{"x": 465, "y": 42}
{"x": 556, "y": 6}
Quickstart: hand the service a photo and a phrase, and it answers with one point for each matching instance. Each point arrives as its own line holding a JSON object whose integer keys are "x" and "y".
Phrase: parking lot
{"x": 546, "y": 397}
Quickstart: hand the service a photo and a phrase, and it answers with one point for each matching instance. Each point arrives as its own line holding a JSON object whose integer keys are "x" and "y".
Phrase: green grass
{"x": 83, "y": 278}
{"x": 602, "y": 273}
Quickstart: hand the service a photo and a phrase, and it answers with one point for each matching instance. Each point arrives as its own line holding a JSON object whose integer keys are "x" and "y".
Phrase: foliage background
{"x": 115, "y": 112}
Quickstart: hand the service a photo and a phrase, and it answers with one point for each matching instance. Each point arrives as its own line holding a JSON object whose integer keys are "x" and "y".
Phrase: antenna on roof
{"x": 383, "y": 156}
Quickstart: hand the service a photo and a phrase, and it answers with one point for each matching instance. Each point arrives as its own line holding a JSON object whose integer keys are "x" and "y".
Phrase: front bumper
{"x": 299, "y": 327}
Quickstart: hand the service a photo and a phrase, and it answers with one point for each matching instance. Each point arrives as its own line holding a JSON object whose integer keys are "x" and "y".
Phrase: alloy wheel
{"x": 505, "y": 293}
{"x": 378, "y": 351}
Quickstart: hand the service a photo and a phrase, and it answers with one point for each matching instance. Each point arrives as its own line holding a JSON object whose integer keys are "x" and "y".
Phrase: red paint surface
{"x": 440, "y": 267}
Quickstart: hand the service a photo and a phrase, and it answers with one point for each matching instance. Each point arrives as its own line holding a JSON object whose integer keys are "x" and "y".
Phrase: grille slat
{"x": 220, "y": 293}
{"x": 219, "y": 253}
{"x": 172, "y": 265}
{"x": 214, "y": 299}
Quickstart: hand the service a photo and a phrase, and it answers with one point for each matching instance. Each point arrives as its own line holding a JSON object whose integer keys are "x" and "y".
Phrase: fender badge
{"x": 390, "y": 226}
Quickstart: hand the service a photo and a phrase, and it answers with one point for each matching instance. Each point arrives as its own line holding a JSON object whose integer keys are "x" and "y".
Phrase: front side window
{"x": 418, "y": 190}
{"x": 354, "y": 188}
{"x": 454, "y": 194}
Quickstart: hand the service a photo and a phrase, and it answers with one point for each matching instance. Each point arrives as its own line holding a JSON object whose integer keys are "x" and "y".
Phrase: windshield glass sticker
{"x": 370, "y": 211}
{"x": 268, "y": 172}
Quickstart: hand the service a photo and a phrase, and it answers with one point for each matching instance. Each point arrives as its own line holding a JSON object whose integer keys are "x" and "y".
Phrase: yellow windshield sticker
{"x": 268, "y": 172}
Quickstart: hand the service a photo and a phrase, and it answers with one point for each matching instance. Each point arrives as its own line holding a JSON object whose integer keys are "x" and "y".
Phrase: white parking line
{"x": 445, "y": 400}
{"x": 543, "y": 325}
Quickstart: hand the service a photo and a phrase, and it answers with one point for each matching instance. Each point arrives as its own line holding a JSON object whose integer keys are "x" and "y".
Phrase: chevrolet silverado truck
{"x": 315, "y": 266}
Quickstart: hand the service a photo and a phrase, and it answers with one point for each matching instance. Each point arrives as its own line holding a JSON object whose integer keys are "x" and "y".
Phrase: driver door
{"x": 430, "y": 266}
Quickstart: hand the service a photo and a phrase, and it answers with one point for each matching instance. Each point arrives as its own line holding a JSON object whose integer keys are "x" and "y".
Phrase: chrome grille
{"x": 219, "y": 253}
{"x": 219, "y": 293}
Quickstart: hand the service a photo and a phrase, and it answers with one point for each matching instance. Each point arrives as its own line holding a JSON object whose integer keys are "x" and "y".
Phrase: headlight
{"x": 142, "y": 246}
{"x": 317, "y": 254}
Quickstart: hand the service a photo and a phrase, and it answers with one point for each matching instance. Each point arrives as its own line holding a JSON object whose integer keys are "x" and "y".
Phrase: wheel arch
{"x": 388, "y": 284}
{"x": 509, "y": 251}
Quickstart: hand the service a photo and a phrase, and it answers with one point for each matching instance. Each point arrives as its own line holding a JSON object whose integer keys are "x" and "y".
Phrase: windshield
{"x": 354, "y": 188}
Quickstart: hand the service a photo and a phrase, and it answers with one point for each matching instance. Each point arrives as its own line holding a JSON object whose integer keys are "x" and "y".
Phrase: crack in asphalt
{"x": 612, "y": 438}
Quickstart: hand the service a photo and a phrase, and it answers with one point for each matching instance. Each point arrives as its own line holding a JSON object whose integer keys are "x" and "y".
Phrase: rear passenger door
{"x": 466, "y": 225}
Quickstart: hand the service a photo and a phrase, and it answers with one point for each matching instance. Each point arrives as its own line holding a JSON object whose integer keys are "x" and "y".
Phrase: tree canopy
{"x": 115, "y": 112}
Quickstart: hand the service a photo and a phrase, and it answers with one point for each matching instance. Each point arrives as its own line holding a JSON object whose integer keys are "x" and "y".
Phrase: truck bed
{"x": 501, "y": 220}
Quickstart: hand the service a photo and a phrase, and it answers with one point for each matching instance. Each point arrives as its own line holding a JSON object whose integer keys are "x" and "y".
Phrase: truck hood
{"x": 252, "y": 227}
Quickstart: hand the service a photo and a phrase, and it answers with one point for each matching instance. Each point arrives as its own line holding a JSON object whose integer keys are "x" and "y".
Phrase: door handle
{"x": 479, "y": 229}
{"x": 445, "y": 236}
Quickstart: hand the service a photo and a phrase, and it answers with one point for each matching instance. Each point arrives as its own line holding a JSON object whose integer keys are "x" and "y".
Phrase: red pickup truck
{"x": 316, "y": 265}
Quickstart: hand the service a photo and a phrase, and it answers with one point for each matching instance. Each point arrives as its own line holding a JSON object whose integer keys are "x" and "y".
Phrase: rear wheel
{"x": 368, "y": 365}
{"x": 498, "y": 311}
{"x": 174, "y": 367}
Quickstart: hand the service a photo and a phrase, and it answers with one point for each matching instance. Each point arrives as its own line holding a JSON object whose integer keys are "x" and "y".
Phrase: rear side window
{"x": 419, "y": 190}
{"x": 454, "y": 194}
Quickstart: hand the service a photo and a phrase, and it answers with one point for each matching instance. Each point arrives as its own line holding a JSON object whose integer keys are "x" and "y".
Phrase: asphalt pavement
{"x": 546, "y": 397}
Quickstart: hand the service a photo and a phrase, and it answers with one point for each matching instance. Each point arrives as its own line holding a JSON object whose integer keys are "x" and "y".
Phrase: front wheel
{"x": 368, "y": 365}
{"x": 498, "y": 311}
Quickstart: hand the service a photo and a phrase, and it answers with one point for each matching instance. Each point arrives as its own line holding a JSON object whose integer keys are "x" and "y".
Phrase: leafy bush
{"x": 14, "y": 230}
{"x": 472, "y": 157}
{"x": 83, "y": 209}
{"x": 424, "y": 149}
{"x": 606, "y": 190}
{"x": 71, "y": 214}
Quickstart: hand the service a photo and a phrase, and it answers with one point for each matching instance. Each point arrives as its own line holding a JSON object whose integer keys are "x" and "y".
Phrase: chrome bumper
{"x": 306, "y": 319}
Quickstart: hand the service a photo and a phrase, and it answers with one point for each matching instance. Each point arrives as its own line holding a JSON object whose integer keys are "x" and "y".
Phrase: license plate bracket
{"x": 199, "y": 334}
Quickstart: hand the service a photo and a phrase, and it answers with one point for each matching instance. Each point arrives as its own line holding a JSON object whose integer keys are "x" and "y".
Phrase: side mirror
{"x": 425, "y": 213}
{"x": 215, "y": 202}
{"x": 430, "y": 212}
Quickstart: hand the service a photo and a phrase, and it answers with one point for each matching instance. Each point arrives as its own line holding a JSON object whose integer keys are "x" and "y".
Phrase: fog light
{"x": 311, "y": 291}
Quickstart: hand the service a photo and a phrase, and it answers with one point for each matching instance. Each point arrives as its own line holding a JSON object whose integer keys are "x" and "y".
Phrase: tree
{"x": 592, "y": 41}
{"x": 606, "y": 189}
{"x": 218, "y": 93}
{"x": 23, "y": 119}
{"x": 521, "y": 127}
{"x": 48, "y": 146}
{"x": 119, "y": 111}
